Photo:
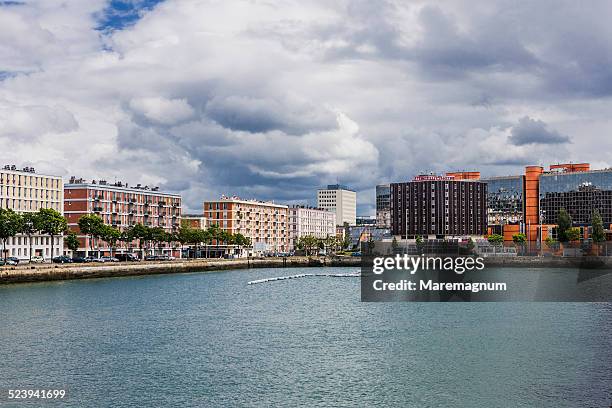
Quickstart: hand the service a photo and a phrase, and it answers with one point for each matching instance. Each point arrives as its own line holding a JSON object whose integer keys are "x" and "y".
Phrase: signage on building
{"x": 433, "y": 178}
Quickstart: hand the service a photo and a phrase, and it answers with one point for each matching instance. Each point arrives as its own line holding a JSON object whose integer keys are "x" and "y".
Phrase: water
{"x": 192, "y": 340}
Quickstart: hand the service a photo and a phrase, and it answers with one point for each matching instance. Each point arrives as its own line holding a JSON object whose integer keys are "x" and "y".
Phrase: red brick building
{"x": 121, "y": 206}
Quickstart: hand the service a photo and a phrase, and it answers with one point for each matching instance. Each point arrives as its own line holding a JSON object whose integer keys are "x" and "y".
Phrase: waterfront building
{"x": 25, "y": 191}
{"x": 579, "y": 192}
{"x": 265, "y": 223}
{"x": 383, "y": 206}
{"x": 440, "y": 206}
{"x": 505, "y": 199}
{"x": 121, "y": 206}
{"x": 341, "y": 200}
{"x": 312, "y": 221}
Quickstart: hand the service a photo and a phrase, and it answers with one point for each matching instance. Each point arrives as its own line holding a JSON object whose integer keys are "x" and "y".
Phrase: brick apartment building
{"x": 120, "y": 206}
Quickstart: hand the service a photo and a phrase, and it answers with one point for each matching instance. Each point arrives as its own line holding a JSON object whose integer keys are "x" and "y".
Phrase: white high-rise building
{"x": 23, "y": 190}
{"x": 305, "y": 221}
{"x": 340, "y": 200}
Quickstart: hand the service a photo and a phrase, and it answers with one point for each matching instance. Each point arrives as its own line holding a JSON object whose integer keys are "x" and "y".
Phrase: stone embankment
{"x": 584, "y": 262}
{"x": 48, "y": 272}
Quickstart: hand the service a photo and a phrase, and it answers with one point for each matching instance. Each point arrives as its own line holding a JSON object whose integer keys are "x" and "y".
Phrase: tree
{"x": 72, "y": 242}
{"x": 598, "y": 234}
{"x": 91, "y": 225}
{"x": 551, "y": 242}
{"x": 572, "y": 234}
{"x": 394, "y": 245}
{"x": 308, "y": 243}
{"x": 142, "y": 233}
{"x": 30, "y": 225}
{"x": 111, "y": 235}
{"x": 52, "y": 223}
{"x": 11, "y": 224}
{"x": 158, "y": 236}
{"x": 519, "y": 238}
{"x": 495, "y": 239}
{"x": 564, "y": 222}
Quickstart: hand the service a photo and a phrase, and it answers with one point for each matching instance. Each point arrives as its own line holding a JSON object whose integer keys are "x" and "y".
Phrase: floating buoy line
{"x": 303, "y": 275}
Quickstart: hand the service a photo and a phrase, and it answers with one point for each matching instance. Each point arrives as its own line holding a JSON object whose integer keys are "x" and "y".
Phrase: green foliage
{"x": 72, "y": 242}
{"x": 564, "y": 222}
{"x": 52, "y": 223}
{"x": 519, "y": 238}
{"x": 11, "y": 224}
{"x": 572, "y": 234}
{"x": 551, "y": 242}
{"x": 308, "y": 243}
{"x": 394, "y": 244}
{"x": 598, "y": 234}
{"x": 496, "y": 239}
{"x": 470, "y": 244}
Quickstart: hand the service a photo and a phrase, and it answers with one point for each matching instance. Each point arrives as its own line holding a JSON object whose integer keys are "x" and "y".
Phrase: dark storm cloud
{"x": 266, "y": 114}
{"x": 532, "y": 131}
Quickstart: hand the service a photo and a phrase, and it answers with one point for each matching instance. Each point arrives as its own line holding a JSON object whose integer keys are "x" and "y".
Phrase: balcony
{"x": 97, "y": 209}
{"x": 161, "y": 203}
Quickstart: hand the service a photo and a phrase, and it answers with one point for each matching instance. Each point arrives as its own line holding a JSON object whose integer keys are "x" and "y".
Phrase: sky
{"x": 272, "y": 99}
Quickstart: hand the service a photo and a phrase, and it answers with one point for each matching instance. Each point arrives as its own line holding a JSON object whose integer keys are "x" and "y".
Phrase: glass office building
{"x": 579, "y": 193}
{"x": 504, "y": 200}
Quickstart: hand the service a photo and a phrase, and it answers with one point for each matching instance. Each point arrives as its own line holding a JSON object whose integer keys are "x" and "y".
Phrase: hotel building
{"x": 383, "y": 206}
{"x": 305, "y": 221}
{"x": 341, "y": 200}
{"x": 451, "y": 205}
{"x": 265, "y": 223}
{"x": 122, "y": 207}
{"x": 24, "y": 190}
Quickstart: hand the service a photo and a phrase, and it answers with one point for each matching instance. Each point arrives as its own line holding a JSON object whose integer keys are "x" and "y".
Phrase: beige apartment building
{"x": 265, "y": 223}
{"x": 24, "y": 190}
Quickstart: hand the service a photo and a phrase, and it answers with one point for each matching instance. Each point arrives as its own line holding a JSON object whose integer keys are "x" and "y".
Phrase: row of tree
{"x": 311, "y": 244}
{"x": 46, "y": 221}
{"x": 93, "y": 226}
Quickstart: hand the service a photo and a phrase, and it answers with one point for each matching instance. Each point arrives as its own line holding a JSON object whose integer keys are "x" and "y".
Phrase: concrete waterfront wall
{"x": 584, "y": 262}
{"x": 46, "y": 272}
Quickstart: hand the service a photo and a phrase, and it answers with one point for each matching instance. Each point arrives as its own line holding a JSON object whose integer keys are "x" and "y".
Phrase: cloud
{"x": 274, "y": 99}
{"x": 532, "y": 131}
{"x": 161, "y": 110}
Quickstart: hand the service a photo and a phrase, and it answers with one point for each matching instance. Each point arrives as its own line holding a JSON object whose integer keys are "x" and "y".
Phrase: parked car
{"x": 62, "y": 259}
{"x": 37, "y": 259}
{"x": 9, "y": 262}
{"x": 356, "y": 254}
{"x": 79, "y": 259}
{"x": 105, "y": 259}
{"x": 13, "y": 259}
{"x": 127, "y": 258}
{"x": 91, "y": 259}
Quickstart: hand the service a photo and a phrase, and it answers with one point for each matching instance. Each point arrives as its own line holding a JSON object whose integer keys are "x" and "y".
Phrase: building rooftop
{"x": 80, "y": 183}
{"x": 337, "y": 187}
{"x": 29, "y": 170}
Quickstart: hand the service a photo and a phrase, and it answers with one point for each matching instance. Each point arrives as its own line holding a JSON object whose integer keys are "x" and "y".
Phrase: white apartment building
{"x": 305, "y": 221}
{"x": 26, "y": 191}
{"x": 340, "y": 200}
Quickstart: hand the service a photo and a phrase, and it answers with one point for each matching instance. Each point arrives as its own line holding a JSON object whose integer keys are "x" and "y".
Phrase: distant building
{"x": 440, "y": 206}
{"x": 121, "y": 206}
{"x": 305, "y": 221}
{"x": 383, "y": 206}
{"x": 25, "y": 191}
{"x": 341, "y": 200}
{"x": 365, "y": 220}
{"x": 505, "y": 197}
{"x": 195, "y": 221}
{"x": 265, "y": 223}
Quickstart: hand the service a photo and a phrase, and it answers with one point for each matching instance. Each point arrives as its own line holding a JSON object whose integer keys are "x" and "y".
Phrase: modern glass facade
{"x": 579, "y": 193}
{"x": 383, "y": 205}
{"x": 504, "y": 200}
